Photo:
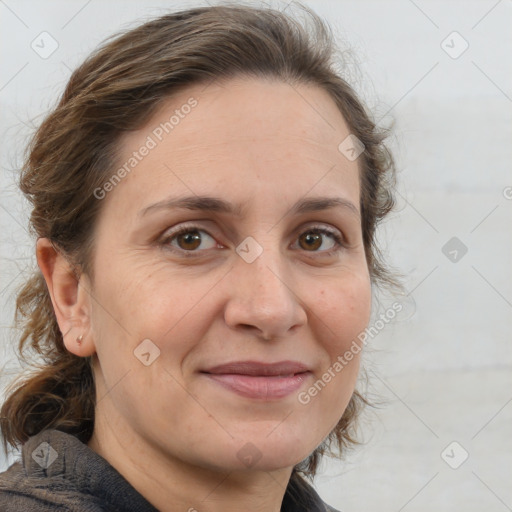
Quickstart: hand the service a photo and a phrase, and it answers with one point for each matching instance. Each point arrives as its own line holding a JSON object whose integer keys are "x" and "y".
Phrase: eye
{"x": 188, "y": 239}
{"x": 313, "y": 239}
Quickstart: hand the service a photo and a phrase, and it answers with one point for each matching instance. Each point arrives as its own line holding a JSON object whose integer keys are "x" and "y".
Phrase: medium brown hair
{"x": 118, "y": 88}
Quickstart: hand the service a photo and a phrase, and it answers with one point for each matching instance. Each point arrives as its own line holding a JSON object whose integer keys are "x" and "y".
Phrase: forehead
{"x": 260, "y": 131}
{"x": 245, "y": 109}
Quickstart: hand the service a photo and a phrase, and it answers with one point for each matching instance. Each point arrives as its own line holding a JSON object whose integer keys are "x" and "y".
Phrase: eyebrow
{"x": 217, "y": 205}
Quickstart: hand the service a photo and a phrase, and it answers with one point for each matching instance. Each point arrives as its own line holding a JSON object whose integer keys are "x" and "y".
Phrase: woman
{"x": 205, "y": 197}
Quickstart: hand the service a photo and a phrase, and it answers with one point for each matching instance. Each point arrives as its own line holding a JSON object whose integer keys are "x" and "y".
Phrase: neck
{"x": 171, "y": 484}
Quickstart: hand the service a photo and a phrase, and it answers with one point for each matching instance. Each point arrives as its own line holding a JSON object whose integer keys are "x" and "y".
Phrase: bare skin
{"x": 171, "y": 431}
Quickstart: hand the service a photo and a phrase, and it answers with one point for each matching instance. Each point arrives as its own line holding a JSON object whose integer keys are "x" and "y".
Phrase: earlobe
{"x": 70, "y": 300}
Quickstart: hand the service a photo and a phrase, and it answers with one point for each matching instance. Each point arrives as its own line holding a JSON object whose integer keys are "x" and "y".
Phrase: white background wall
{"x": 443, "y": 368}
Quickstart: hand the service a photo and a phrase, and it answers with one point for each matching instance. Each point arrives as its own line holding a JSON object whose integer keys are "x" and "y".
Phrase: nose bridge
{"x": 265, "y": 274}
{"x": 261, "y": 296}
{"x": 268, "y": 280}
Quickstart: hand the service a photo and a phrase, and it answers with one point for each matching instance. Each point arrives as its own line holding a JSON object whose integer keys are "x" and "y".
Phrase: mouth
{"x": 261, "y": 381}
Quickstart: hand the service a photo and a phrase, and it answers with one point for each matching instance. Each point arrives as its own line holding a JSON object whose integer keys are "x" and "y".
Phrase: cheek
{"x": 341, "y": 313}
{"x": 344, "y": 310}
{"x": 137, "y": 302}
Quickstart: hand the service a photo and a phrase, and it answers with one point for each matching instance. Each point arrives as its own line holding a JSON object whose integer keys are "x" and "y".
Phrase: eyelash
{"x": 314, "y": 229}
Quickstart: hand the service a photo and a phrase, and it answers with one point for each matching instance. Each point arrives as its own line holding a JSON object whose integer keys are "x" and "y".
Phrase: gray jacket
{"x": 57, "y": 472}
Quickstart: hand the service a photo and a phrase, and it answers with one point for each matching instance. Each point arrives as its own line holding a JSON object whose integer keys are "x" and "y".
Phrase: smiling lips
{"x": 266, "y": 381}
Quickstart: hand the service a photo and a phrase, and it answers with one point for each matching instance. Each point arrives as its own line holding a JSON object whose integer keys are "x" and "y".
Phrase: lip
{"x": 263, "y": 381}
{"x": 260, "y": 369}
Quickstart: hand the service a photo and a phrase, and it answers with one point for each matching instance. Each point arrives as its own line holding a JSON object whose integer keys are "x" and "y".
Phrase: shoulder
{"x": 40, "y": 481}
{"x": 18, "y": 492}
{"x": 59, "y": 472}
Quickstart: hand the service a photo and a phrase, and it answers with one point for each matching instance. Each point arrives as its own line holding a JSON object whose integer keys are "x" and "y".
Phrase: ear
{"x": 70, "y": 296}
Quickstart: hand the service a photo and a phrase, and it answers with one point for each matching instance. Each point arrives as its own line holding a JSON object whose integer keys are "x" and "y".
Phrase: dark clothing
{"x": 58, "y": 472}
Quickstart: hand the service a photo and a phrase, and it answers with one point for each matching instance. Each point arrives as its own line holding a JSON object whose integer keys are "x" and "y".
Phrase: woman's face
{"x": 252, "y": 277}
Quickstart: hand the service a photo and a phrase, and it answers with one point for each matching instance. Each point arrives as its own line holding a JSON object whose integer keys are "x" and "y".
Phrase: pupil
{"x": 313, "y": 239}
{"x": 191, "y": 238}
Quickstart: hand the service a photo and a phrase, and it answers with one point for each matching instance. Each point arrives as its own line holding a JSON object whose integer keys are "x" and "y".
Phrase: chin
{"x": 253, "y": 453}
{"x": 265, "y": 454}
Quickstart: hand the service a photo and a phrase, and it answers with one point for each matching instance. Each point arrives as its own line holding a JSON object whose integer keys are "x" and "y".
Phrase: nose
{"x": 263, "y": 299}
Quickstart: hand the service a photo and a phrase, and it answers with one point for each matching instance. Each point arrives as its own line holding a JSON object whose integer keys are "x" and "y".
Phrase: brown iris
{"x": 191, "y": 239}
{"x": 313, "y": 240}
